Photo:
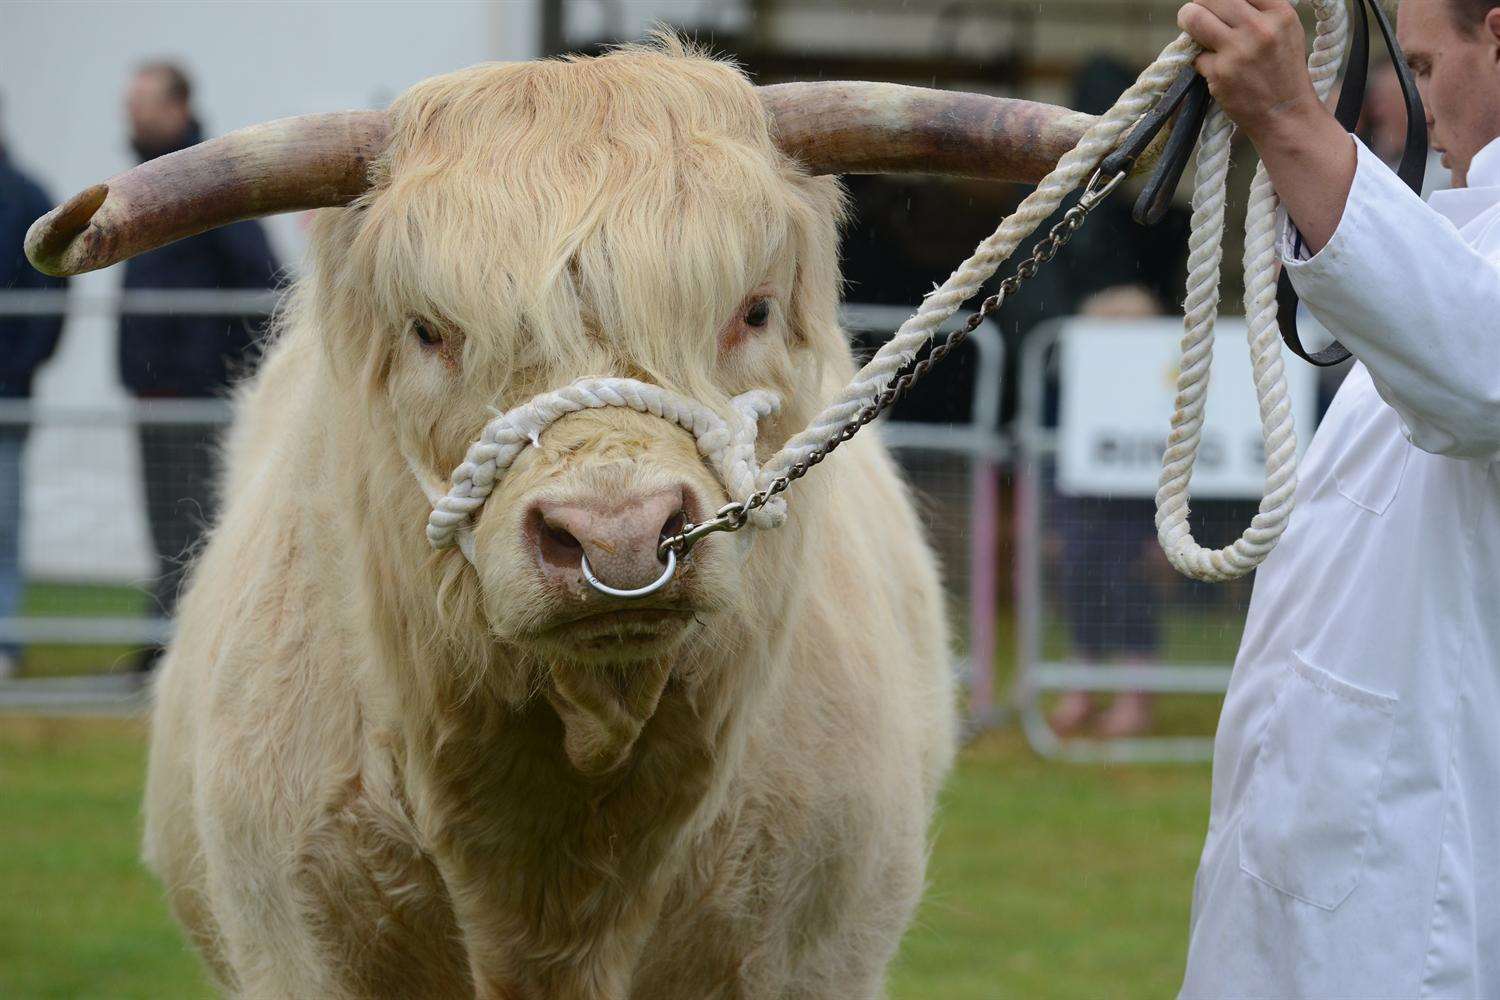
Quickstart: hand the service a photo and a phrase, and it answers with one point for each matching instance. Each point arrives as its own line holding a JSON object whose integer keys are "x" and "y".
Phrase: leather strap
{"x": 1123, "y": 159}
{"x": 1156, "y": 196}
{"x": 1188, "y": 99}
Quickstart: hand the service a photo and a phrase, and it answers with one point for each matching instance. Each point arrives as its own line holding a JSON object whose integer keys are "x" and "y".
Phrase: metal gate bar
{"x": 987, "y": 452}
{"x": 1036, "y": 675}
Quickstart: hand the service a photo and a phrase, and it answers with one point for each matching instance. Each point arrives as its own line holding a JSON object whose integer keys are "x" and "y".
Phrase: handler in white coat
{"x": 1354, "y": 840}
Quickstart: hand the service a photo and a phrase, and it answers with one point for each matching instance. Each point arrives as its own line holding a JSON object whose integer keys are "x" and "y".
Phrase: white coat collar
{"x": 1462, "y": 205}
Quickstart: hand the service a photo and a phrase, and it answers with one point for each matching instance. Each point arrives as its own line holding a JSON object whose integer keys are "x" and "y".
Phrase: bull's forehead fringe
{"x": 657, "y": 92}
{"x": 630, "y": 200}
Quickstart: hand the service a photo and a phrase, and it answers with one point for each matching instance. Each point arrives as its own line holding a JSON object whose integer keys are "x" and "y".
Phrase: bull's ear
{"x": 314, "y": 161}
{"x": 881, "y": 128}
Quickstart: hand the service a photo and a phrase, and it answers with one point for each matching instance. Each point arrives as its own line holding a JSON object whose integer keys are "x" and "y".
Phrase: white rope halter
{"x": 728, "y": 445}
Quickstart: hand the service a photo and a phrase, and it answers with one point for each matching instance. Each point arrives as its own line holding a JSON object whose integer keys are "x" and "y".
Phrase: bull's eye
{"x": 425, "y": 333}
{"x": 759, "y": 313}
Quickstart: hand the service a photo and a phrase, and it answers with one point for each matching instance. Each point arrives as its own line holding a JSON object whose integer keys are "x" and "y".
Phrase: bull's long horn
{"x": 322, "y": 161}
{"x": 313, "y": 161}
{"x": 878, "y": 128}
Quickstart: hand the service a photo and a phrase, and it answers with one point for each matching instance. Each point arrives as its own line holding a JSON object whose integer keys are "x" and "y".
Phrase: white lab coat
{"x": 1353, "y": 846}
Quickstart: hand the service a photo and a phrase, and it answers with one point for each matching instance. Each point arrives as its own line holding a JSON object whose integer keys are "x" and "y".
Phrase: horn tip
{"x": 50, "y": 238}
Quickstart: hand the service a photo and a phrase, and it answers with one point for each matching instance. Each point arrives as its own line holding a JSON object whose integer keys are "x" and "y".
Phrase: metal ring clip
{"x": 731, "y": 517}
{"x": 650, "y": 588}
{"x": 1098, "y": 189}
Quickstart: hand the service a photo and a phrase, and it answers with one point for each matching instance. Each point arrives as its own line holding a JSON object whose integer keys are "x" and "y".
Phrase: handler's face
{"x": 1458, "y": 72}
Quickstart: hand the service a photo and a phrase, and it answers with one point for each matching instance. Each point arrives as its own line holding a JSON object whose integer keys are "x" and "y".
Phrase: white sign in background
{"x": 1118, "y": 381}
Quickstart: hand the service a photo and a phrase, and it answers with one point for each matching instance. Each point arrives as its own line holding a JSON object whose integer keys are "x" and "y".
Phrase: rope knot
{"x": 726, "y": 443}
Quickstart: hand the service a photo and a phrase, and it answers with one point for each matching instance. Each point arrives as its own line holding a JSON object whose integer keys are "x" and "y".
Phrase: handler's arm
{"x": 1399, "y": 287}
{"x": 1311, "y": 163}
{"x": 1390, "y": 278}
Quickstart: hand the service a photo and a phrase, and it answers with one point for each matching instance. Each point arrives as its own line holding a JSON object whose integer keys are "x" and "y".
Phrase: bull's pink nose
{"x": 619, "y": 534}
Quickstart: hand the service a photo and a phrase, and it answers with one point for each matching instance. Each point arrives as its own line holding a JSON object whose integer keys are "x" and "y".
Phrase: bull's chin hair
{"x": 537, "y": 672}
{"x": 450, "y": 567}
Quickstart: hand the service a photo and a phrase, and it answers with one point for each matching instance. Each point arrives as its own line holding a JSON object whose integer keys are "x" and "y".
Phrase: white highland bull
{"x": 380, "y": 770}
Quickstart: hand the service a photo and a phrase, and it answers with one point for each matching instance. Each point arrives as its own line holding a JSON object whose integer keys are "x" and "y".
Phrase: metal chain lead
{"x": 733, "y": 516}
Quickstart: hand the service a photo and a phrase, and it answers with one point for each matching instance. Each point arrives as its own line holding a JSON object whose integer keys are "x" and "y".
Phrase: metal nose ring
{"x": 650, "y": 588}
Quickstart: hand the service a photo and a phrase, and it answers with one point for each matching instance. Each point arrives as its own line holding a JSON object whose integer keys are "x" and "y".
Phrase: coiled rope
{"x": 1200, "y": 308}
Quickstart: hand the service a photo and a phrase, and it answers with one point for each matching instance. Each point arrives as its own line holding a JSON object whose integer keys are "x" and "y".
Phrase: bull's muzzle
{"x": 637, "y": 541}
{"x": 611, "y": 542}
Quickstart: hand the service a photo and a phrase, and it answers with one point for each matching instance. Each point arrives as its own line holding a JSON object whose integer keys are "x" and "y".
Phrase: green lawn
{"x": 79, "y": 916}
{"x": 1047, "y": 880}
{"x": 1056, "y": 880}
{"x": 55, "y": 600}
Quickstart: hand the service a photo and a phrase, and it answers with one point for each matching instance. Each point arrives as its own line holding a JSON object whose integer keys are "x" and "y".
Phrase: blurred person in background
{"x": 1113, "y": 268}
{"x": 1108, "y": 545}
{"x": 183, "y": 356}
{"x": 25, "y": 342}
{"x": 1382, "y": 122}
{"x": 1382, "y": 126}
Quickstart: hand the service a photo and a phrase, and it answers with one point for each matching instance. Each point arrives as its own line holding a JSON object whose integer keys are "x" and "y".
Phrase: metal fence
{"x": 88, "y": 607}
{"x": 183, "y": 432}
{"x": 955, "y": 467}
{"x": 113, "y": 468}
{"x": 96, "y": 453}
{"x": 1098, "y": 608}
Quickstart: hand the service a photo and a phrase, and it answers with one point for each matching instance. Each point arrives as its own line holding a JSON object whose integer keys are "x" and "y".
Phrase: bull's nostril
{"x": 620, "y": 536}
{"x": 674, "y": 524}
{"x": 555, "y": 545}
{"x": 561, "y": 537}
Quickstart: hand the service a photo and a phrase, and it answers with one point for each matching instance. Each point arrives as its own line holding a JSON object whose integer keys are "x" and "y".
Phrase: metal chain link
{"x": 734, "y": 515}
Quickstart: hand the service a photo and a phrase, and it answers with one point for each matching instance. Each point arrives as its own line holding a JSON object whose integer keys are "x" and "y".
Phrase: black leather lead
{"x": 1187, "y": 98}
{"x": 1123, "y": 159}
{"x": 1156, "y": 196}
{"x": 1413, "y": 157}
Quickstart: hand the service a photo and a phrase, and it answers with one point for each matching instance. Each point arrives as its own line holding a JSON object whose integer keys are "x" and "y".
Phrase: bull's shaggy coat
{"x": 377, "y": 771}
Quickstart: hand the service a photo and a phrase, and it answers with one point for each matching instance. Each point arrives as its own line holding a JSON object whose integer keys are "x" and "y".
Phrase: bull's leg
{"x": 265, "y": 943}
{"x": 850, "y": 961}
{"x": 496, "y": 943}
{"x": 761, "y": 918}
{"x": 372, "y": 894}
{"x": 339, "y": 902}
{"x": 845, "y": 935}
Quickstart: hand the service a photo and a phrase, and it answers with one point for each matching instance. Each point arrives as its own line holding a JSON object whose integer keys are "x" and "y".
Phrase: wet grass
{"x": 79, "y": 916}
{"x": 1056, "y": 880}
{"x": 52, "y": 600}
{"x": 1047, "y": 880}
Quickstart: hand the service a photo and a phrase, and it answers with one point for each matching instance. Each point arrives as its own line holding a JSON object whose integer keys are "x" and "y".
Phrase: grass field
{"x": 1047, "y": 880}
{"x": 82, "y": 601}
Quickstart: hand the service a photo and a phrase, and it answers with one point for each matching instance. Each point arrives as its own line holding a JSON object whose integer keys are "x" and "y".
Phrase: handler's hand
{"x": 1255, "y": 60}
